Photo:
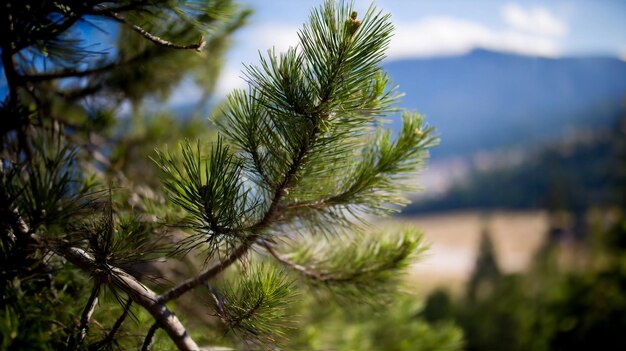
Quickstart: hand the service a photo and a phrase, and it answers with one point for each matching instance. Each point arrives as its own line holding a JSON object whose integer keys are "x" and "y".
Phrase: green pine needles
{"x": 301, "y": 165}
{"x": 304, "y": 163}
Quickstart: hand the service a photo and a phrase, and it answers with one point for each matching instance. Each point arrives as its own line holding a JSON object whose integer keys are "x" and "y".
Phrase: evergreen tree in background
{"x": 93, "y": 250}
{"x": 486, "y": 271}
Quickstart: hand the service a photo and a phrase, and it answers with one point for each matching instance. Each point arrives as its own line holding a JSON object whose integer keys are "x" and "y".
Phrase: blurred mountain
{"x": 486, "y": 100}
{"x": 584, "y": 170}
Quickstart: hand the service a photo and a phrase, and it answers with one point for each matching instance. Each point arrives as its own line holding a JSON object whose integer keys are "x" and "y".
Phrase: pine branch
{"x": 88, "y": 311}
{"x": 364, "y": 266}
{"x": 116, "y": 327}
{"x": 70, "y": 73}
{"x": 148, "y": 340}
{"x": 257, "y": 305}
{"x": 255, "y": 232}
{"x": 156, "y": 39}
{"x": 294, "y": 266}
{"x": 138, "y": 292}
{"x": 272, "y": 82}
{"x": 206, "y": 275}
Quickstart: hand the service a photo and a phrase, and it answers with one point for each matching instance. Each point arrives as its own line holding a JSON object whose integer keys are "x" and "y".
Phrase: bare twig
{"x": 118, "y": 324}
{"x": 203, "y": 277}
{"x": 296, "y": 267}
{"x": 156, "y": 39}
{"x": 90, "y": 307}
{"x": 148, "y": 340}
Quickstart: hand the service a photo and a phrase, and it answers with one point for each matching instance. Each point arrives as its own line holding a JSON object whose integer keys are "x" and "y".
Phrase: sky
{"x": 431, "y": 28}
{"x": 554, "y": 28}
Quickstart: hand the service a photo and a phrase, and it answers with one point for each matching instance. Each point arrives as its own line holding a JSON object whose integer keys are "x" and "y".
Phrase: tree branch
{"x": 138, "y": 292}
{"x": 203, "y": 277}
{"x": 148, "y": 340}
{"x": 118, "y": 324}
{"x": 255, "y": 230}
{"x": 70, "y": 73}
{"x": 90, "y": 307}
{"x": 156, "y": 39}
{"x": 296, "y": 267}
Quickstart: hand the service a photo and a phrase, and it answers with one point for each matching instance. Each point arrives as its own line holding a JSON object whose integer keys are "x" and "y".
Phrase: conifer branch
{"x": 71, "y": 73}
{"x": 116, "y": 327}
{"x": 294, "y": 266}
{"x": 203, "y": 277}
{"x": 255, "y": 230}
{"x": 148, "y": 340}
{"x": 138, "y": 292}
{"x": 88, "y": 311}
{"x": 156, "y": 39}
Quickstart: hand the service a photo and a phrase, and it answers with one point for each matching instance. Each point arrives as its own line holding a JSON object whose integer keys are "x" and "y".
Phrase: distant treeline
{"x": 574, "y": 174}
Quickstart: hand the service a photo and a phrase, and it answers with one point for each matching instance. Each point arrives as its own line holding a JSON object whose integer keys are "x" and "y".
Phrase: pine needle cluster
{"x": 302, "y": 163}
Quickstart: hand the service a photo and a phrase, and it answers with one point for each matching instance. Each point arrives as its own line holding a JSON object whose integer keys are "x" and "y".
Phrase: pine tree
{"x": 486, "y": 271}
{"x": 277, "y": 206}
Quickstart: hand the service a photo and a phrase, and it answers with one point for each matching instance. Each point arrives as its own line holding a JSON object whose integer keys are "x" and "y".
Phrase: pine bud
{"x": 352, "y": 23}
{"x": 418, "y": 132}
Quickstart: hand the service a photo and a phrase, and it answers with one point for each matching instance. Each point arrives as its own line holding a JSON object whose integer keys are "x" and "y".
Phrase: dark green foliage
{"x": 256, "y": 305}
{"x": 549, "y": 308}
{"x": 486, "y": 271}
{"x": 397, "y": 326}
{"x": 211, "y": 191}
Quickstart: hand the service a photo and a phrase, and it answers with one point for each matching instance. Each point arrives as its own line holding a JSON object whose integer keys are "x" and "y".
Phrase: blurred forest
{"x": 572, "y": 295}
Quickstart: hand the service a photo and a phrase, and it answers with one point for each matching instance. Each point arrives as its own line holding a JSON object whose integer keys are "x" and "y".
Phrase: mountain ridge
{"x": 487, "y": 100}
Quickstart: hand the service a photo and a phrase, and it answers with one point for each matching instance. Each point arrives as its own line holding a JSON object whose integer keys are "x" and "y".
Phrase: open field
{"x": 454, "y": 239}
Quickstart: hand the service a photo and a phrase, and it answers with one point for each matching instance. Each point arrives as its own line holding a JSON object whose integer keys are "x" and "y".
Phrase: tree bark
{"x": 139, "y": 293}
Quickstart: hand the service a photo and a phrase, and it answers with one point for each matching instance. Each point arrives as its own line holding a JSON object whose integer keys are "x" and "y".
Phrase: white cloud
{"x": 437, "y": 36}
{"x": 529, "y": 32}
{"x": 230, "y": 79}
{"x": 255, "y": 39}
{"x": 537, "y": 20}
{"x": 281, "y": 37}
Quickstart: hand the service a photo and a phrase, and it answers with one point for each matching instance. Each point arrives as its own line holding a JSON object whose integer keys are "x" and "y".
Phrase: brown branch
{"x": 203, "y": 277}
{"x": 138, "y": 292}
{"x": 156, "y": 39}
{"x": 294, "y": 266}
{"x": 148, "y": 340}
{"x": 116, "y": 327}
{"x": 90, "y": 307}
{"x": 69, "y": 73}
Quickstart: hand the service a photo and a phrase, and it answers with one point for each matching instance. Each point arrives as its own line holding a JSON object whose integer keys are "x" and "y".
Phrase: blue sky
{"x": 553, "y": 28}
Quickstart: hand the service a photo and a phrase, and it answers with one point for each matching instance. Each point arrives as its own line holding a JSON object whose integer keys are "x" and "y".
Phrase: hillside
{"x": 487, "y": 100}
{"x": 574, "y": 173}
